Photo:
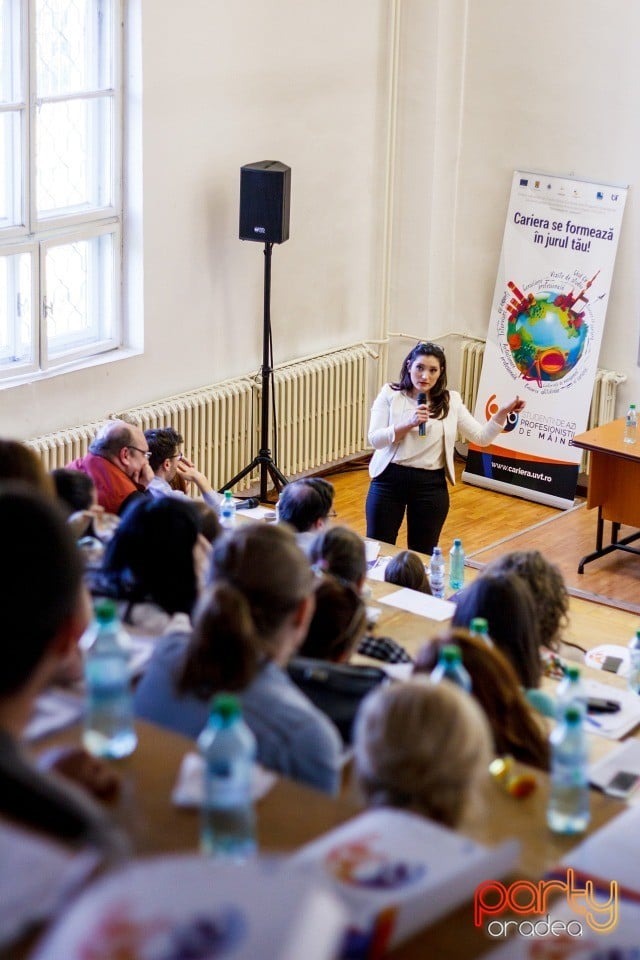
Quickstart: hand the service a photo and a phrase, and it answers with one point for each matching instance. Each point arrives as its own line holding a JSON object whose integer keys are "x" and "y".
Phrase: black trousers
{"x": 424, "y": 495}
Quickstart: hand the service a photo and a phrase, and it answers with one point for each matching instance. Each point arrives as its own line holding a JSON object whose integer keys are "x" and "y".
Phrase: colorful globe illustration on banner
{"x": 546, "y": 333}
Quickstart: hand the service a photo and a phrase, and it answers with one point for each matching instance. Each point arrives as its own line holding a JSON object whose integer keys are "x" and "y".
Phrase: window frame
{"x": 37, "y": 234}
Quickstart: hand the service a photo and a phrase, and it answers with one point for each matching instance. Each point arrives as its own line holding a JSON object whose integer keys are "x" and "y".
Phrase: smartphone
{"x": 611, "y": 664}
{"x": 600, "y": 705}
{"x": 622, "y": 784}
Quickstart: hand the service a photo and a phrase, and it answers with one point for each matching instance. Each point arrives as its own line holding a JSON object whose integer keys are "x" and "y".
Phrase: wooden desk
{"x": 292, "y": 815}
{"x": 614, "y": 482}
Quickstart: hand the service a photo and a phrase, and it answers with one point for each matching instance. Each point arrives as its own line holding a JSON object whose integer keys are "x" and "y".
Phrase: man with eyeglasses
{"x": 168, "y": 463}
{"x": 118, "y": 464}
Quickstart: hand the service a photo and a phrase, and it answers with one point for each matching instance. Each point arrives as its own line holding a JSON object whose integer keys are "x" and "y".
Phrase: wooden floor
{"x": 480, "y": 518}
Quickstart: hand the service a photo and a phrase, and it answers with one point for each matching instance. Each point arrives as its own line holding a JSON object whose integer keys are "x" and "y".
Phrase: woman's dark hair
{"x": 341, "y": 552}
{"x": 496, "y": 687}
{"x": 438, "y": 395}
{"x": 547, "y": 587}
{"x": 41, "y": 579}
{"x": 506, "y": 603}
{"x": 258, "y": 577}
{"x": 74, "y": 488}
{"x": 150, "y": 557}
{"x": 338, "y": 622}
{"x": 406, "y": 569}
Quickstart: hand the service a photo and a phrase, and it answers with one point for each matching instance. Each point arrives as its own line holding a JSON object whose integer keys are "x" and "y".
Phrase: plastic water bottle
{"x": 456, "y": 566}
{"x": 568, "y": 807}
{"x": 437, "y": 573}
{"x": 634, "y": 663}
{"x": 571, "y": 693}
{"x": 450, "y": 667}
{"x": 479, "y": 627}
{"x": 228, "y": 748}
{"x": 108, "y": 722}
{"x": 228, "y": 511}
{"x": 631, "y": 425}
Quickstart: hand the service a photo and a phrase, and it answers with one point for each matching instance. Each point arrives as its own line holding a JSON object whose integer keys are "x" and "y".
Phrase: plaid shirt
{"x": 383, "y": 648}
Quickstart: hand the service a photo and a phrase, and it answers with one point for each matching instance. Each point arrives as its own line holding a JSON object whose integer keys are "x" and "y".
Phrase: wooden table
{"x": 614, "y": 482}
{"x": 291, "y": 815}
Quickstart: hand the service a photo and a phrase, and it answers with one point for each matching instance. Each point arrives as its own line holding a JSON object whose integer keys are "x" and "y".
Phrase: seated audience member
{"x": 168, "y": 462}
{"x": 117, "y": 462}
{"x": 305, "y": 505}
{"x": 506, "y": 603}
{"x": 320, "y": 670}
{"x": 338, "y": 622}
{"x": 406, "y": 569}
{"x": 495, "y": 686}
{"x": 77, "y": 494}
{"x": 341, "y": 552}
{"x": 20, "y": 462}
{"x": 249, "y": 622}
{"x": 75, "y": 489}
{"x": 156, "y": 556}
{"x": 421, "y": 747}
{"x": 45, "y": 611}
{"x": 548, "y": 589}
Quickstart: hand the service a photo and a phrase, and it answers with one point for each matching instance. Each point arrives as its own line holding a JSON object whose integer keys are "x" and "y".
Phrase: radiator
{"x": 603, "y": 399}
{"x": 321, "y": 414}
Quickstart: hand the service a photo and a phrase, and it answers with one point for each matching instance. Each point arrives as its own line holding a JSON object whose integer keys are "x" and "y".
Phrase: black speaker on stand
{"x": 265, "y": 189}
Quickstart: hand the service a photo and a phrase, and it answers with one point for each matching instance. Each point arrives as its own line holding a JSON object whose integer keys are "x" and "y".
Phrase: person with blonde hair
{"x": 421, "y": 747}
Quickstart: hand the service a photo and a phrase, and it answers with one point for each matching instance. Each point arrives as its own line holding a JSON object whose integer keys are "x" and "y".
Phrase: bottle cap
{"x": 572, "y": 716}
{"x": 228, "y": 495}
{"x": 226, "y": 708}
{"x": 436, "y": 552}
{"x": 479, "y": 625}
{"x": 573, "y": 673}
{"x": 457, "y": 542}
{"x": 105, "y": 611}
{"x": 451, "y": 653}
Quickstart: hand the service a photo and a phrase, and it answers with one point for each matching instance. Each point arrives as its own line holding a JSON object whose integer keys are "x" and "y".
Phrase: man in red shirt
{"x": 118, "y": 464}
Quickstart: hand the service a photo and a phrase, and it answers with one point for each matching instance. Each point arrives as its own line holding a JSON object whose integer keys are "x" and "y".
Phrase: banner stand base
{"x": 536, "y": 496}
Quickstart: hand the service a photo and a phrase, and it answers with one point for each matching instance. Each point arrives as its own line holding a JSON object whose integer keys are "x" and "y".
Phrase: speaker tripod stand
{"x": 263, "y": 459}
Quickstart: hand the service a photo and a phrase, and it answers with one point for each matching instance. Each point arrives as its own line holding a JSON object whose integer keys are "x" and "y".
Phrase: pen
{"x": 592, "y": 720}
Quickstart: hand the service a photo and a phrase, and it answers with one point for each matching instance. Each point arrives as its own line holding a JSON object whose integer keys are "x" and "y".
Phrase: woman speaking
{"x": 413, "y": 428}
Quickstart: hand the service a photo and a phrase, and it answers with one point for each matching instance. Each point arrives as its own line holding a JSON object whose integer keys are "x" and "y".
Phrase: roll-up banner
{"x": 545, "y": 331}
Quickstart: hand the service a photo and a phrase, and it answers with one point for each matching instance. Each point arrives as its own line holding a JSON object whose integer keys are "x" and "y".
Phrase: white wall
{"x": 571, "y": 105}
{"x": 482, "y": 87}
{"x": 224, "y": 84}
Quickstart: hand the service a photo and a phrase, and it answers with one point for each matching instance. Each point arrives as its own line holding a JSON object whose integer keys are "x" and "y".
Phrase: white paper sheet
{"x": 613, "y": 726}
{"x": 189, "y": 789}
{"x": 626, "y": 756}
{"x": 54, "y": 710}
{"x": 421, "y": 603}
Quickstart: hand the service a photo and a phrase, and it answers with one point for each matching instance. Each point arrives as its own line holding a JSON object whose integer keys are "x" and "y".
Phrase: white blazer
{"x": 386, "y": 412}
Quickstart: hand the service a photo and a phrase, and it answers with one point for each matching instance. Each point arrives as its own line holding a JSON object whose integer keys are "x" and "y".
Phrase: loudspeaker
{"x": 265, "y": 189}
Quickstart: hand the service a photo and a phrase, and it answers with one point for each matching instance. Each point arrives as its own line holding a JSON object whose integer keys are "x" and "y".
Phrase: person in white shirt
{"x": 409, "y": 467}
{"x": 167, "y": 462}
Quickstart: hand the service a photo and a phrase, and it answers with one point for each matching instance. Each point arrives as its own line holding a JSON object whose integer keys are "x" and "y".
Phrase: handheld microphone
{"x": 247, "y": 504}
{"x": 422, "y": 429}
